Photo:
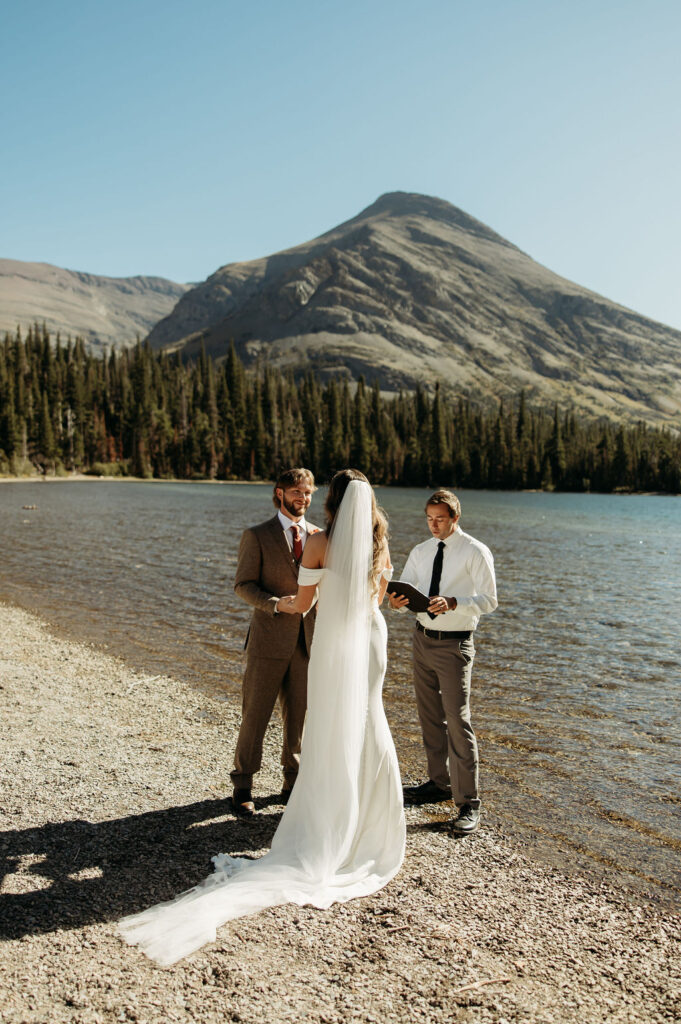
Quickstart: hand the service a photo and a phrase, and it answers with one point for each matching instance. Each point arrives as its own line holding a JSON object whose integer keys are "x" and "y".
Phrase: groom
{"x": 277, "y": 645}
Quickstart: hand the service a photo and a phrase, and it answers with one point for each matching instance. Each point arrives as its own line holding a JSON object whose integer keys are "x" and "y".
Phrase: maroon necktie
{"x": 297, "y": 542}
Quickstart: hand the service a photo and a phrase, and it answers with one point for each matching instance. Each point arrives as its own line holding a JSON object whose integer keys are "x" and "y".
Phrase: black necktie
{"x": 434, "y": 588}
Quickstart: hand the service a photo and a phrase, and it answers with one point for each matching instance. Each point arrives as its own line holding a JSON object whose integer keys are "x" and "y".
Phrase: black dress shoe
{"x": 467, "y": 820}
{"x": 427, "y": 793}
{"x": 242, "y": 803}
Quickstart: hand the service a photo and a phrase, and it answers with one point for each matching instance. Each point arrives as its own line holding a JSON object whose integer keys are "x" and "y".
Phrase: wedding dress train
{"x": 342, "y": 834}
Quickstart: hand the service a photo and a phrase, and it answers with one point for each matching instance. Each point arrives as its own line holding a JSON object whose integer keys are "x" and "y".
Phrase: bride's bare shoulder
{"x": 315, "y": 549}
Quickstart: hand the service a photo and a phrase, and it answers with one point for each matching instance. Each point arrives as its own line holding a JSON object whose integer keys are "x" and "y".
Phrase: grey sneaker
{"x": 467, "y": 820}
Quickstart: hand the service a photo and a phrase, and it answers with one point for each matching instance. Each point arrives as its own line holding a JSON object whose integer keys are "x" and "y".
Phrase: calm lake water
{"x": 576, "y": 683}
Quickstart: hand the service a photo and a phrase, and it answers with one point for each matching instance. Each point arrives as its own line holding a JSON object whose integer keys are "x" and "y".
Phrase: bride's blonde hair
{"x": 337, "y": 489}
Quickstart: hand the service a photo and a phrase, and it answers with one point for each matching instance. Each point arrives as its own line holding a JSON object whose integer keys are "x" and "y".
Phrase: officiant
{"x": 456, "y": 571}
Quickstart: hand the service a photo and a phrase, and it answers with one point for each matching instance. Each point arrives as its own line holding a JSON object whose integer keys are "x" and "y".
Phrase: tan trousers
{"x": 264, "y": 680}
{"x": 442, "y": 681}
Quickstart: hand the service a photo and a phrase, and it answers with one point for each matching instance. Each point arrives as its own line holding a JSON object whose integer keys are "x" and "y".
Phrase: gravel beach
{"x": 114, "y": 795}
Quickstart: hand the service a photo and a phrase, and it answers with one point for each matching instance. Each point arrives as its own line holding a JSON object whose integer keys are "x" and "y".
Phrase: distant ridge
{"x": 414, "y": 289}
{"x": 108, "y": 312}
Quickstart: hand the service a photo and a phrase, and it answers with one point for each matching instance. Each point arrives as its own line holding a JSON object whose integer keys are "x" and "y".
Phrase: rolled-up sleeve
{"x": 481, "y": 571}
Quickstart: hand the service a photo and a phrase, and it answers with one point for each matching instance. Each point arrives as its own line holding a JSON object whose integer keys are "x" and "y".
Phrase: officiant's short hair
{"x": 291, "y": 478}
{"x": 444, "y": 497}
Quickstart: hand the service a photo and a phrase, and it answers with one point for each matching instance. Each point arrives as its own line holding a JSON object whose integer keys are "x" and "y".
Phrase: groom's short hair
{"x": 448, "y": 498}
{"x": 291, "y": 478}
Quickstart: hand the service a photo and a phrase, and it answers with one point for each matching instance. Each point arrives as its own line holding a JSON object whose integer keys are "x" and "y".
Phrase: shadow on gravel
{"x": 437, "y": 826}
{"x": 74, "y": 873}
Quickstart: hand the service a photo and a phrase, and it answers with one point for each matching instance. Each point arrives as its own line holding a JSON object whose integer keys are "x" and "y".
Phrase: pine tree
{"x": 441, "y": 461}
{"x": 622, "y": 463}
{"x": 360, "y": 452}
{"x": 555, "y": 452}
{"x": 46, "y": 445}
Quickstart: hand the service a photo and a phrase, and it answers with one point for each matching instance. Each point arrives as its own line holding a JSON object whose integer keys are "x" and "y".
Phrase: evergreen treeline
{"x": 147, "y": 414}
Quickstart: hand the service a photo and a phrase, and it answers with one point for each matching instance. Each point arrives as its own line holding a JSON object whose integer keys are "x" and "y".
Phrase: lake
{"x": 576, "y": 683}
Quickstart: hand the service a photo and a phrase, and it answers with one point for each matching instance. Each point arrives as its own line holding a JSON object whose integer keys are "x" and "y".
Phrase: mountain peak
{"x": 399, "y": 204}
{"x": 403, "y": 205}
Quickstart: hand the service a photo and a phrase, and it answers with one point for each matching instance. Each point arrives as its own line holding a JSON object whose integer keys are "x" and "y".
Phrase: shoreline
{"x": 88, "y": 477}
{"x": 115, "y": 787}
{"x": 83, "y": 477}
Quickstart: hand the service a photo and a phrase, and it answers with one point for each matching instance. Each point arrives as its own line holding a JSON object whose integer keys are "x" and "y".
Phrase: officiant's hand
{"x": 285, "y": 604}
{"x": 398, "y": 600}
{"x": 438, "y": 605}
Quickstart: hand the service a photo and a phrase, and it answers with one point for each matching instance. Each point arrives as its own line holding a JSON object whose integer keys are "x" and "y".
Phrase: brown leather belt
{"x": 444, "y": 634}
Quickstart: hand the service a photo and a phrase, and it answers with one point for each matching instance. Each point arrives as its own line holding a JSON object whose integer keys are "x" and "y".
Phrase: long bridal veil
{"x": 342, "y": 833}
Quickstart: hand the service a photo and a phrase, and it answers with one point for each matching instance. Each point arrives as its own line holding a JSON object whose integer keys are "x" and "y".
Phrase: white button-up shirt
{"x": 467, "y": 575}
{"x": 286, "y": 525}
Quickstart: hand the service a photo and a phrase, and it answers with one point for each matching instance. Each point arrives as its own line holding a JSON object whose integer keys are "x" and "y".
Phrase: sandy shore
{"x": 114, "y": 796}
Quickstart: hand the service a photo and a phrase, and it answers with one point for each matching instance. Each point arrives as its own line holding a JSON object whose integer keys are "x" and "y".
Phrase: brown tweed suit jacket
{"x": 266, "y": 570}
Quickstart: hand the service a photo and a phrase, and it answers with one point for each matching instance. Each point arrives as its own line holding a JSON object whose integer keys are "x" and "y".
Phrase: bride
{"x": 342, "y": 833}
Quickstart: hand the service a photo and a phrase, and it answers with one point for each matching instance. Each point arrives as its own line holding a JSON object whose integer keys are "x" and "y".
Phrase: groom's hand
{"x": 284, "y": 604}
{"x": 398, "y": 600}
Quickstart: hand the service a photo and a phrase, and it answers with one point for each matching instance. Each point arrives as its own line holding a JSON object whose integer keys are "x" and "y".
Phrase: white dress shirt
{"x": 286, "y": 525}
{"x": 467, "y": 575}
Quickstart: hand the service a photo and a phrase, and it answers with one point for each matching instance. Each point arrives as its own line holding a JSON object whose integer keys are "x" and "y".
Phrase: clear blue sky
{"x": 170, "y": 138}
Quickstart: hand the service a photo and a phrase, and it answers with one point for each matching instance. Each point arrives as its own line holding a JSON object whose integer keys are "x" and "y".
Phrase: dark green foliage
{"x": 147, "y": 414}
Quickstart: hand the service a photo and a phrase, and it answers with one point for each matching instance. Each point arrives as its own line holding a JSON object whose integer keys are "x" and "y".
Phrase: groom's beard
{"x": 295, "y": 510}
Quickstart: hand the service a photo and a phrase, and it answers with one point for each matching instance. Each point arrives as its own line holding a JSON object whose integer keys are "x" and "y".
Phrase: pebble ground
{"x": 114, "y": 793}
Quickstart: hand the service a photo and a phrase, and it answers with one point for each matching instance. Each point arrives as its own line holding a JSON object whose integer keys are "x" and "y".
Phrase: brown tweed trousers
{"x": 277, "y": 651}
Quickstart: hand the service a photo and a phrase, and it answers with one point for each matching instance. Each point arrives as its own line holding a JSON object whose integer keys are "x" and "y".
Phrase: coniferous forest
{"x": 146, "y": 414}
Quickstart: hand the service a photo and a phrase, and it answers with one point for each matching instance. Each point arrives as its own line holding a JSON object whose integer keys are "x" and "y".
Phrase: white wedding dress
{"x": 342, "y": 834}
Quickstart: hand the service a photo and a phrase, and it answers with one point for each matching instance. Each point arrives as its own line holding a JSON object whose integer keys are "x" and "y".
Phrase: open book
{"x": 418, "y": 602}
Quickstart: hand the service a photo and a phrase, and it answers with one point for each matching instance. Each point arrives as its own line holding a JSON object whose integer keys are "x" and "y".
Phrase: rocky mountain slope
{"x": 105, "y": 311}
{"x": 415, "y": 289}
